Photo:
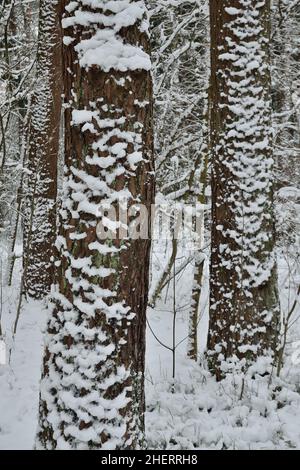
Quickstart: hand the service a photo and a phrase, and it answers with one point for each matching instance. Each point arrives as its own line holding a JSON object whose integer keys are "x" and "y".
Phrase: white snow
{"x": 106, "y": 48}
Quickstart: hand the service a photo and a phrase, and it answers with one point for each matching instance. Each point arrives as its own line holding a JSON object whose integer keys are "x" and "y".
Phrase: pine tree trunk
{"x": 243, "y": 299}
{"x": 92, "y": 392}
{"x": 43, "y": 154}
{"x": 283, "y": 90}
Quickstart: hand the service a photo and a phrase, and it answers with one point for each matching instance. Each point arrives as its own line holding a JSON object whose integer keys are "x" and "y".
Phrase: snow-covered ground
{"x": 198, "y": 413}
{"x": 191, "y": 413}
{"x": 19, "y": 378}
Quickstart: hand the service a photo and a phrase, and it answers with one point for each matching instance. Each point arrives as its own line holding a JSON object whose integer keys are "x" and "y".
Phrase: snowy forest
{"x": 149, "y": 225}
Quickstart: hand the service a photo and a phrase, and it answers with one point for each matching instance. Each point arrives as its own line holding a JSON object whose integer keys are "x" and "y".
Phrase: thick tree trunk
{"x": 43, "y": 154}
{"x": 243, "y": 299}
{"x": 92, "y": 392}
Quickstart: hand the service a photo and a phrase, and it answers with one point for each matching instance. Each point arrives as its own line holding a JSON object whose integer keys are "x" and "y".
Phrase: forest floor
{"x": 196, "y": 412}
{"x": 190, "y": 412}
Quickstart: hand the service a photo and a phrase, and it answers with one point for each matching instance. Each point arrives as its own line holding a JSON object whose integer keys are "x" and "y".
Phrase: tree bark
{"x": 92, "y": 393}
{"x": 244, "y": 310}
{"x": 43, "y": 154}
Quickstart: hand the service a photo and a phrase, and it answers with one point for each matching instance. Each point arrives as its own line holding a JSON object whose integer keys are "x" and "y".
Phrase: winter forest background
{"x": 159, "y": 341}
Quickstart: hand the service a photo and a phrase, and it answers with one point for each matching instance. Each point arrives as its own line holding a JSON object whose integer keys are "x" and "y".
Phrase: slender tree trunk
{"x": 165, "y": 274}
{"x": 43, "y": 154}
{"x": 15, "y": 221}
{"x": 8, "y": 125}
{"x": 192, "y": 350}
{"x": 197, "y": 189}
{"x": 92, "y": 393}
{"x": 243, "y": 296}
{"x": 283, "y": 90}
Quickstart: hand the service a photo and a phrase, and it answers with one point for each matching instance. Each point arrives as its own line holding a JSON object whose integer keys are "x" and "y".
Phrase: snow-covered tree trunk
{"x": 199, "y": 260}
{"x": 43, "y": 154}
{"x": 243, "y": 298}
{"x": 92, "y": 391}
{"x": 15, "y": 219}
{"x": 285, "y": 90}
{"x": 179, "y": 37}
{"x": 192, "y": 350}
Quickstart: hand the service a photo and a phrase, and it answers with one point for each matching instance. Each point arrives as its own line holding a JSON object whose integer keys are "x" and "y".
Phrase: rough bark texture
{"x": 92, "y": 392}
{"x": 243, "y": 298}
{"x": 43, "y": 150}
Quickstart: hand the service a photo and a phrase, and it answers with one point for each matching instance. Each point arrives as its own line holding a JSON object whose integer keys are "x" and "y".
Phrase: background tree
{"x": 43, "y": 150}
{"x": 285, "y": 49}
{"x": 243, "y": 282}
{"x": 285, "y": 57}
{"x": 179, "y": 45}
{"x": 17, "y": 58}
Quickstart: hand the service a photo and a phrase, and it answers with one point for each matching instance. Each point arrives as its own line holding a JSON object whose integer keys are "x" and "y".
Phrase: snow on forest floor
{"x": 19, "y": 378}
{"x": 192, "y": 412}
